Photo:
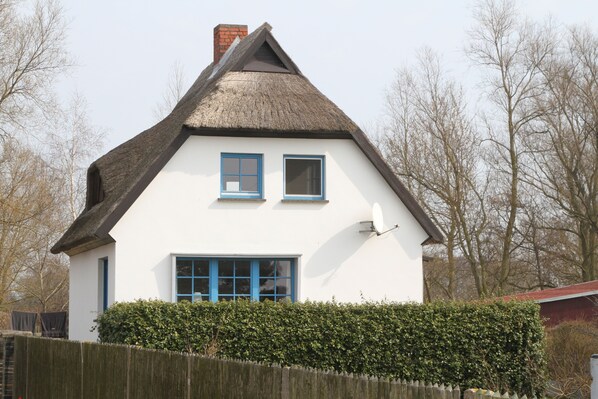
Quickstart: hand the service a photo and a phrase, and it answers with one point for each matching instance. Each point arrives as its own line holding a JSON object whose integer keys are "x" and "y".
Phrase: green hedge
{"x": 498, "y": 345}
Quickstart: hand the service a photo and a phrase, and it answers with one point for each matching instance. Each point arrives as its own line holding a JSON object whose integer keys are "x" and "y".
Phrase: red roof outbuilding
{"x": 572, "y": 302}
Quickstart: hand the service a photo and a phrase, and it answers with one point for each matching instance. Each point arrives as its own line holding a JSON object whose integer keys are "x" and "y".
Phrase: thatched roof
{"x": 278, "y": 102}
{"x": 233, "y": 98}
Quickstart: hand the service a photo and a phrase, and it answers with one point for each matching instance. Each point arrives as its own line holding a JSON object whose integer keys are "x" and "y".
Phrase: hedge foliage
{"x": 497, "y": 345}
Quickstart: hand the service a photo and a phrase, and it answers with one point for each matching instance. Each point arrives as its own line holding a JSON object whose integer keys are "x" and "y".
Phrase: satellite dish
{"x": 377, "y": 219}
{"x": 376, "y": 225}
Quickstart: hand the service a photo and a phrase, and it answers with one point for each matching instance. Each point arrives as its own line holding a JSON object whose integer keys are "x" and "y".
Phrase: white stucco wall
{"x": 84, "y": 290}
{"x": 179, "y": 213}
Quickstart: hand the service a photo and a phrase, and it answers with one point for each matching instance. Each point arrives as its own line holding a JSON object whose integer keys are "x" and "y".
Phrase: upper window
{"x": 304, "y": 177}
{"x": 241, "y": 176}
{"x": 222, "y": 279}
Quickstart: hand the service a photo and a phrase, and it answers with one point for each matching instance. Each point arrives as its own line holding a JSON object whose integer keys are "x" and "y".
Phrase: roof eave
{"x": 568, "y": 296}
{"x": 268, "y": 133}
{"x": 82, "y": 245}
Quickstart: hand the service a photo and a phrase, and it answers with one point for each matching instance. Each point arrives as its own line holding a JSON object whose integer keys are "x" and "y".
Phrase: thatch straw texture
{"x": 268, "y": 101}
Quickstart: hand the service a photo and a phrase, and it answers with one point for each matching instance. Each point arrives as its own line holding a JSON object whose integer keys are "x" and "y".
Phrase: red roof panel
{"x": 590, "y": 287}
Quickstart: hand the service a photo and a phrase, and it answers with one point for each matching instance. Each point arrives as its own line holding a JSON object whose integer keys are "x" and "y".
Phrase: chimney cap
{"x": 228, "y": 26}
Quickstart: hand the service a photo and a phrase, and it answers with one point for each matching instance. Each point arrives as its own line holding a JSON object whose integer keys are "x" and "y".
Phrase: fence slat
{"x": 20, "y": 375}
{"x": 104, "y": 371}
{"x": 157, "y": 375}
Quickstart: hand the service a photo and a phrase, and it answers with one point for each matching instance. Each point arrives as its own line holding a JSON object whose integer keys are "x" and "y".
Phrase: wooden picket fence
{"x": 58, "y": 369}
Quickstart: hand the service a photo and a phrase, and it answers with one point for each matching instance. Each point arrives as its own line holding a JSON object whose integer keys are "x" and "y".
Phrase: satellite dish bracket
{"x": 370, "y": 228}
{"x": 376, "y": 224}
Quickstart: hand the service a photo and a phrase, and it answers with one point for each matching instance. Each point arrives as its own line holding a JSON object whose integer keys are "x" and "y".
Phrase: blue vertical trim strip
{"x": 105, "y": 288}
{"x": 323, "y": 182}
{"x": 214, "y": 280}
{"x": 255, "y": 280}
{"x": 259, "y": 176}
{"x": 292, "y": 280}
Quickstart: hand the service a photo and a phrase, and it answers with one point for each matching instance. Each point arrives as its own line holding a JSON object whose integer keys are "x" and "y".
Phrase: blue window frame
{"x": 304, "y": 177}
{"x": 226, "y": 279}
{"x": 241, "y": 176}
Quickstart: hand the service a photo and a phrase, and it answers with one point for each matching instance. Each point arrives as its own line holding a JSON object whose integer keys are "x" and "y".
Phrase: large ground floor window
{"x": 214, "y": 279}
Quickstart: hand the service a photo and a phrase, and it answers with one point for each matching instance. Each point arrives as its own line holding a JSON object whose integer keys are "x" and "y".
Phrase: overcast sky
{"x": 350, "y": 50}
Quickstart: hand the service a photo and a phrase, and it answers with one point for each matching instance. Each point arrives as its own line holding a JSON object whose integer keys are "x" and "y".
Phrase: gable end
{"x": 265, "y": 60}
{"x": 273, "y": 51}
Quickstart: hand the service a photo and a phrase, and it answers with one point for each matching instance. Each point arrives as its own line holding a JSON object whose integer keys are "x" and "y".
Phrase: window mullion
{"x": 293, "y": 280}
{"x": 255, "y": 280}
{"x": 213, "y": 280}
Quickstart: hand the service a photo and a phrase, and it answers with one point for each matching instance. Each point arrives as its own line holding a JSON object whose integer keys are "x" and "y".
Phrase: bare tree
{"x": 512, "y": 51}
{"x": 33, "y": 54}
{"x": 175, "y": 89}
{"x": 565, "y": 147}
{"x": 72, "y": 144}
{"x": 27, "y": 201}
{"x": 430, "y": 143}
{"x": 42, "y": 284}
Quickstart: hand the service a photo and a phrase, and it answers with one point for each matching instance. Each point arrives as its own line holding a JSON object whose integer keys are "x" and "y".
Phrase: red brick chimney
{"x": 224, "y": 35}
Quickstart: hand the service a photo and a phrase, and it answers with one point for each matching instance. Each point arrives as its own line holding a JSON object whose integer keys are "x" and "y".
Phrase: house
{"x": 572, "y": 302}
{"x": 255, "y": 186}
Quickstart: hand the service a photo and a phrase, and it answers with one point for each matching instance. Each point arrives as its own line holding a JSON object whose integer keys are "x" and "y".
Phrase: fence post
{"x": 284, "y": 384}
{"x": 594, "y": 371}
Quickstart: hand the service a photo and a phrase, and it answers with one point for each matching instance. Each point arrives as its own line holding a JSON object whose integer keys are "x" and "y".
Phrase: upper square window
{"x": 241, "y": 176}
{"x": 304, "y": 177}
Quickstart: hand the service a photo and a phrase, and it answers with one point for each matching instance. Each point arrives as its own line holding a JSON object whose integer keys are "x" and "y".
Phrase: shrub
{"x": 495, "y": 345}
{"x": 568, "y": 350}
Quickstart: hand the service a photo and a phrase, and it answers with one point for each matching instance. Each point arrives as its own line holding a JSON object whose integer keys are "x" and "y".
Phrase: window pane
{"x": 303, "y": 176}
{"x": 266, "y": 286}
{"x": 226, "y": 285}
{"x": 183, "y": 267}
{"x": 230, "y": 183}
{"x": 243, "y": 268}
{"x": 183, "y": 286}
{"x": 283, "y": 286}
{"x": 249, "y": 183}
{"x": 266, "y": 268}
{"x": 201, "y": 268}
{"x": 243, "y": 297}
{"x": 201, "y": 285}
{"x": 230, "y": 166}
{"x": 226, "y": 268}
{"x": 283, "y": 268}
{"x": 242, "y": 286}
{"x": 183, "y": 298}
{"x": 249, "y": 166}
